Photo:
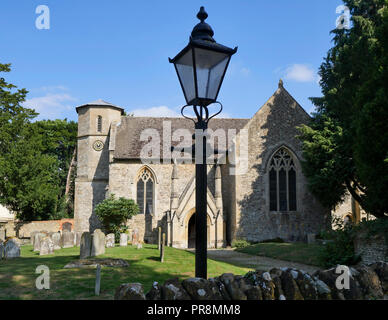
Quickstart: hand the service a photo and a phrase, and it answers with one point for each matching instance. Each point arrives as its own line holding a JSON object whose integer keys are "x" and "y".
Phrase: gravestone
{"x": 135, "y": 237}
{"x": 11, "y": 249}
{"x": 159, "y": 237}
{"x": 110, "y": 240}
{"x": 37, "y": 240}
{"x": 67, "y": 239}
{"x": 2, "y": 234}
{"x": 98, "y": 280}
{"x": 32, "y": 236}
{"x": 162, "y": 248}
{"x": 46, "y": 246}
{"x": 310, "y": 238}
{"x": 56, "y": 239}
{"x": 85, "y": 245}
{"x": 77, "y": 238}
{"x": 123, "y": 240}
{"x": 98, "y": 243}
{"x": 67, "y": 226}
{"x": 1, "y": 249}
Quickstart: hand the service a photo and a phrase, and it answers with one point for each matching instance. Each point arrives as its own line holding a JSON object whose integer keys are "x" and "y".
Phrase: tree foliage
{"x": 114, "y": 213}
{"x": 346, "y": 145}
{"x": 34, "y": 157}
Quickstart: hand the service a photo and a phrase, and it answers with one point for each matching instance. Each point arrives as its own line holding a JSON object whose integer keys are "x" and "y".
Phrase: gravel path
{"x": 256, "y": 262}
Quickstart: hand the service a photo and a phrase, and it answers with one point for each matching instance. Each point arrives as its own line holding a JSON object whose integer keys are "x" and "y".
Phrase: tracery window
{"x": 145, "y": 192}
{"x": 282, "y": 181}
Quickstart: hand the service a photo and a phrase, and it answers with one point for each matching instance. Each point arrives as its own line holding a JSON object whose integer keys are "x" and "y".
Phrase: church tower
{"x": 94, "y": 121}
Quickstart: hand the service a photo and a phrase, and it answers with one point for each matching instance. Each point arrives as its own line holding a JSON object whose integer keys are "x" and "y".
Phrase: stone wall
{"x": 24, "y": 229}
{"x": 372, "y": 249}
{"x": 123, "y": 177}
{"x": 365, "y": 283}
{"x": 273, "y": 127}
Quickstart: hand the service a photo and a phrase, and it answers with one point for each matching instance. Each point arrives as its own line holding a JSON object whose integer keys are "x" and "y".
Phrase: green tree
{"x": 59, "y": 140}
{"x": 346, "y": 144}
{"x": 34, "y": 157}
{"x": 114, "y": 213}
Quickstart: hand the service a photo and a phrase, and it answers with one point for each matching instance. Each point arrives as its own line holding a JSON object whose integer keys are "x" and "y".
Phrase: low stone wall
{"x": 366, "y": 282}
{"x": 371, "y": 249}
{"x": 24, "y": 229}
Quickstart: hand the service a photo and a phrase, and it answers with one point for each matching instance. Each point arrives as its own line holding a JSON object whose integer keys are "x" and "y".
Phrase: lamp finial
{"x": 202, "y": 14}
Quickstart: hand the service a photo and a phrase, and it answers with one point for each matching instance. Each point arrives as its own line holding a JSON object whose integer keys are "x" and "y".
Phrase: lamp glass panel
{"x": 184, "y": 66}
{"x": 210, "y": 67}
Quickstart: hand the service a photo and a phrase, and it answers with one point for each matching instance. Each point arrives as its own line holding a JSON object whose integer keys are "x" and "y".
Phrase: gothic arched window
{"x": 282, "y": 181}
{"x": 99, "y": 124}
{"x": 145, "y": 192}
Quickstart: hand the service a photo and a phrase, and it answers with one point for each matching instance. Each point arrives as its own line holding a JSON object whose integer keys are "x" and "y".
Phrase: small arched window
{"x": 282, "y": 181}
{"x": 99, "y": 124}
{"x": 145, "y": 192}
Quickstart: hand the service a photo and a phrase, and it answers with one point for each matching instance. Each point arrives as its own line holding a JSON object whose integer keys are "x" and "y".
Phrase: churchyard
{"x": 18, "y": 276}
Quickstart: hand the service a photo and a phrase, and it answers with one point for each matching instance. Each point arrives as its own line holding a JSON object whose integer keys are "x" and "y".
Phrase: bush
{"x": 114, "y": 213}
{"x": 240, "y": 243}
{"x": 340, "y": 249}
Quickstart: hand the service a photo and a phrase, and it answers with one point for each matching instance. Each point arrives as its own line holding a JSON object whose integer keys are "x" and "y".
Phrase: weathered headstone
{"x": 11, "y": 249}
{"x": 77, "y": 238}
{"x": 32, "y": 237}
{"x": 110, "y": 240}
{"x": 135, "y": 237}
{"x": 159, "y": 237}
{"x": 1, "y": 249}
{"x": 56, "y": 239}
{"x": 2, "y": 234}
{"x": 98, "y": 280}
{"x": 123, "y": 240}
{"x": 37, "y": 239}
{"x": 85, "y": 245}
{"x": 310, "y": 238}
{"x": 67, "y": 226}
{"x": 46, "y": 246}
{"x": 162, "y": 248}
{"x": 98, "y": 243}
{"x": 67, "y": 239}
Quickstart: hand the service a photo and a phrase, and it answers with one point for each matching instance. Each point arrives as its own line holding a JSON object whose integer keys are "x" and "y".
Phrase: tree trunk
{"x": 68, "y": 180}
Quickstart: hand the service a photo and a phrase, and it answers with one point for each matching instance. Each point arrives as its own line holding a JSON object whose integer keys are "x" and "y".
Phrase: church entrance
{"x": 191, "y": 229}
{"x": 191, "y": 232}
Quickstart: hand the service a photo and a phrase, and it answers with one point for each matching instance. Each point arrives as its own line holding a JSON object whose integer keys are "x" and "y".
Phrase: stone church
{"x": 266, "y": 199}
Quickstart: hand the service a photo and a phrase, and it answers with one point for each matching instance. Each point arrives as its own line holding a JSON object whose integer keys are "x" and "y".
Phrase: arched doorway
{"x": 191, "y": 232}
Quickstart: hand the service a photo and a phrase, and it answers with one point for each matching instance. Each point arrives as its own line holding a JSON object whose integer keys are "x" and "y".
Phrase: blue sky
{"x": 118, "y": 51}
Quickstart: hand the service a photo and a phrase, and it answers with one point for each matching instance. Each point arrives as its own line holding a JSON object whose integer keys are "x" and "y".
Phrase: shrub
{"x": 240, "y": 243}
{"x": 340, "y": 250}
{"x": 114, "y": 213}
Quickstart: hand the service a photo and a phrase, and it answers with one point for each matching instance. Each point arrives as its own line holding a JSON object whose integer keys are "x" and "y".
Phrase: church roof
{"x": 100, "y": 103}
{"x": 128, "y": 144}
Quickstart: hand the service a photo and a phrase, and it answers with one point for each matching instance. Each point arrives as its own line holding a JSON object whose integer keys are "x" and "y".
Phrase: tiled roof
{"x": 128, "y": 144}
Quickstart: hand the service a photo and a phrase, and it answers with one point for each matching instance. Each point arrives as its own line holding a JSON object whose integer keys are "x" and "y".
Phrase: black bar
{"x": 201, "y": 209}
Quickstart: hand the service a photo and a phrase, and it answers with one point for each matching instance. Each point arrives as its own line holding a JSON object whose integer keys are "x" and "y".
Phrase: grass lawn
{"x": 17, "y": 276}
{"x": 295, "y": 252}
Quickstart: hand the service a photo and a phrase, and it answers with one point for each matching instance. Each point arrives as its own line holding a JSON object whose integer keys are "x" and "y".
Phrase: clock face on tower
{"x": 98, "y": 145}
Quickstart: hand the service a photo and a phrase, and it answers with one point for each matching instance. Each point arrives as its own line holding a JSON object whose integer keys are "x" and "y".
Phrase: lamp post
{"x": 201, "y": 67}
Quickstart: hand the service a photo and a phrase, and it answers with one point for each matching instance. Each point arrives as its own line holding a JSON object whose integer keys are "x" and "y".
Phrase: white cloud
{"x": 52, "y": 105}
{"x": 156, "y": 112}
{"x": 300, "y": 73}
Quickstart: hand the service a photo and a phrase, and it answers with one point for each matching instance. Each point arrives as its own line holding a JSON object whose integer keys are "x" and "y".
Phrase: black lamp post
{"x": 201, "y": 68}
